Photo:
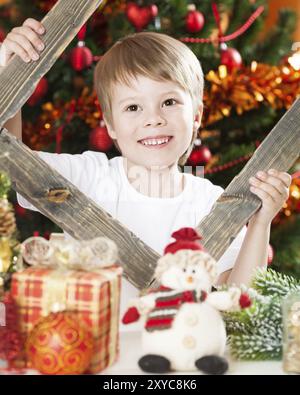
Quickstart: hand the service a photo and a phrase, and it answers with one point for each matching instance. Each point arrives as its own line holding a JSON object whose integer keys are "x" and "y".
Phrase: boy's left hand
{"x": 272, "y": 187}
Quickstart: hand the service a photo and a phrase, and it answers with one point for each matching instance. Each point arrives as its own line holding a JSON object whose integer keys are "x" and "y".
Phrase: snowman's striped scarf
{"x": 168, "y": 302}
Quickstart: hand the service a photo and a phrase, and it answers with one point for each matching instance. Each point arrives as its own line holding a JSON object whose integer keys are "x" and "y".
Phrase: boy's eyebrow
{"x": 136, "y": 97}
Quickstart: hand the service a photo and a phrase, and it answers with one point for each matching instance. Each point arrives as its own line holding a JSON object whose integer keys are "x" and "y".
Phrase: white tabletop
{"x": 130, "y": 352}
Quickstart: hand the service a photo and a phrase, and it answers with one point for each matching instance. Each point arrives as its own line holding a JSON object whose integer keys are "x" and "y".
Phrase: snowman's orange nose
{"x": 190, "y": 279}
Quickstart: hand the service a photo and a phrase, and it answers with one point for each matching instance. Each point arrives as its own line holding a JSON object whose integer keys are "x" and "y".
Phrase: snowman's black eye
{"x": 184, "y": 269}
{"x": 193, "y": 271}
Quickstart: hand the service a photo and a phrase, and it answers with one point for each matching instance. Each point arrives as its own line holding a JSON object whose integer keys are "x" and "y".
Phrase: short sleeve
{"x": 80, "y": 169}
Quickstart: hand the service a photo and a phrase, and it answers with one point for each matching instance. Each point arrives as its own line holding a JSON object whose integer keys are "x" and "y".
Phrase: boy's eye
{"x": 131, "y": 108}
{"x": 170, "y": 101}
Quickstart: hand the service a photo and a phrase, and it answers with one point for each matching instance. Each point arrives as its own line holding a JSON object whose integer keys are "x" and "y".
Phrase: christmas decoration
{"x": 194, "y": 20}
{"x": 2, "y": 35}
{"x": 140, "y": 17}
{"x": 81, "y": 56}
{"x": 99, "y": 139}
{"x": 256, "y": 333}
{"x": 9, "y": 245}
{"x": 291, "y": 333}
{"x": 248, "y": 89}
{"x": 200, "y": 155}
{"x": 240, "y": 107}
{"x": 40, "y": 91}
{"x": 60, "y": 344}
{"x": 11, "y": 341}
{"x": 183, "y": 328}
{"x": 230, "y": 58}
{"x": 71, "y": 276}
{"x": 7, "y": 219}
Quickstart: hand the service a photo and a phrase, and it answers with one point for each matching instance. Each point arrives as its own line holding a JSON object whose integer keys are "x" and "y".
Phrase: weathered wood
{"x": 279, "y": 150}
{"x": 64, "y": 204}
{"x": 19, "y": 79}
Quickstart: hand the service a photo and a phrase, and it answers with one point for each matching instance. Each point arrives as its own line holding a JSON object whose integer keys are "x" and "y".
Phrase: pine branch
{"x": 270, "y": 282}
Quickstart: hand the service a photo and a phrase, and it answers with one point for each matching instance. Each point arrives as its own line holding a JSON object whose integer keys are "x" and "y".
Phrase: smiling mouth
{"x": 156, "y": 142}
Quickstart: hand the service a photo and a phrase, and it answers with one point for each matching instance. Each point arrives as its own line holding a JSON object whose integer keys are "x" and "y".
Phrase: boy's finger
{"x": 25, "y": 44}
{"x": 283, "y": 176}
{"x": 35, "y": 25}
{"x": 17, "y": 49}
{"x": 32, "y": 36}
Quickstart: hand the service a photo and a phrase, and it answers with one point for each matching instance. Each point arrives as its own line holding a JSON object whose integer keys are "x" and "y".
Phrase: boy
{"x": 150, "y": 88}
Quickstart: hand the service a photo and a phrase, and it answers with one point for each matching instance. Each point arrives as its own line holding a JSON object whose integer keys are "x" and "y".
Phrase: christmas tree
{"x": 256, "y": 333}
{"x": 251, "y": 80}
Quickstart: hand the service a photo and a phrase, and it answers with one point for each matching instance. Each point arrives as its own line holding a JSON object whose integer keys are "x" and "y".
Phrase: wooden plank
{"x": 19, "y": 79}
{"x": 64, "y": 204}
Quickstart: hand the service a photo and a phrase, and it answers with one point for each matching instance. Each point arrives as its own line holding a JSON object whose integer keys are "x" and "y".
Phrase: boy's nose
{"x": 155, "y": 120}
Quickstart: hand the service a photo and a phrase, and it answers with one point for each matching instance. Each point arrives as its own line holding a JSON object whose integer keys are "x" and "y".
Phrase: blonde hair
{"x": 153, "y": 55}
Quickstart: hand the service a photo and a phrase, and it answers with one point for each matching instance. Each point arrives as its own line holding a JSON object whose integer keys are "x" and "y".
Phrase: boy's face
{"x": 152, "y": 121}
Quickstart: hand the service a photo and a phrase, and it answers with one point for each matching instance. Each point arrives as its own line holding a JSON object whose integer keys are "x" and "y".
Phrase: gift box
{"x": 93, "y": 294}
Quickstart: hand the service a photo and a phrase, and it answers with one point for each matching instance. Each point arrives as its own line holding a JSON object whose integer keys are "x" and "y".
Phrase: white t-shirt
{"x": 153, "y": 220}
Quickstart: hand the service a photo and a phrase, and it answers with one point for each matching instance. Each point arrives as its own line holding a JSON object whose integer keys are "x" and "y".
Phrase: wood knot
{"x": 58, "y": 195}
{"x": 225, "y": 197}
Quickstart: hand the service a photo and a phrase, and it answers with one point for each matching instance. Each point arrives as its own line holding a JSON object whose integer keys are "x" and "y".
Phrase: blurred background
{"x": 248, "y": 50}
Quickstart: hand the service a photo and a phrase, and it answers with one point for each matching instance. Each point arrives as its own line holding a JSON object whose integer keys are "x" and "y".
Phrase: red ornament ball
{"x": 81, "y": 58}
{"x": 19, "y": 210}
{"x": 194, "y": 21}
{"x": 245, "y": 300}
{"x": 140, "y": 17}
{"x": 100, "y": 140}
{"x": 2, "y": 35}
{"x": 59, "y": 344}
{"x": 270, "y": 254}
{"x": 231, "y": 58}
{"x": 199, "y": 156}
{"x": 40, "y": 91}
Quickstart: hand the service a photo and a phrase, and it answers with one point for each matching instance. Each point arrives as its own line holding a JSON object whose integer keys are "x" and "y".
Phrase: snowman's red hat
{"x": 186, "y": 239}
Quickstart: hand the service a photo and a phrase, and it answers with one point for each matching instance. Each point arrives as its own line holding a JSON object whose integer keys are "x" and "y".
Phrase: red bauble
{"x": 40, "y": 91}
{"x": 19, "y": 210}
{"x": 270, "y": 254}
{"x": 81, "y": 58}
{"x": 231, "y": 58}
{"x": 245, "y": 301}
{"x": 2, "y": 35}
{"x": 200, "y": 156}
{"x": 60, "y": 344}
{"x": 100, "y": 140}
{"x": 140, "y": 17}
{"x": 194, "y": 21}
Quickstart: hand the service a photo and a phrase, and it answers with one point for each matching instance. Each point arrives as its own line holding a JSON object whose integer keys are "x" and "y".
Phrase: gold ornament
{"x": 7, "y": 219}
{"x": 5, "y": 254}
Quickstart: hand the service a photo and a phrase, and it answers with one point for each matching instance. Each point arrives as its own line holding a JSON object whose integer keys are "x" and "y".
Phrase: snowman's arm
{"x": 145, "y": 303}
{"x": 224, "y": 300}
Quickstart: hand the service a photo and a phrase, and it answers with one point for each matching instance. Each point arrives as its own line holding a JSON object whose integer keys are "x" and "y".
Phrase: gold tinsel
{"x": 248, "y": 88}
{"x": 7, "y": 219}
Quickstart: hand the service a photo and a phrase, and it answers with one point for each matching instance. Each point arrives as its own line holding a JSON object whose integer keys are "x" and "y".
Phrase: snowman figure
{"x": 184, "y": 330}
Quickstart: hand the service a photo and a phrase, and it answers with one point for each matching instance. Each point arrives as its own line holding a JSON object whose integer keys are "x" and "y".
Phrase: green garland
{"x": 255, "y": 333}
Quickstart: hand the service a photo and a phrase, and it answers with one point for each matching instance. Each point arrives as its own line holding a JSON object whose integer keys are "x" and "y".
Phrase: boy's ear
{"x": 198, "y": 117}
{"x": 109, "y": 128}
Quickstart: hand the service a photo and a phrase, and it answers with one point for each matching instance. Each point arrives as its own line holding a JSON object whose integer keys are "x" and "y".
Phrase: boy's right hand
{"x": 24, "y": 41}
